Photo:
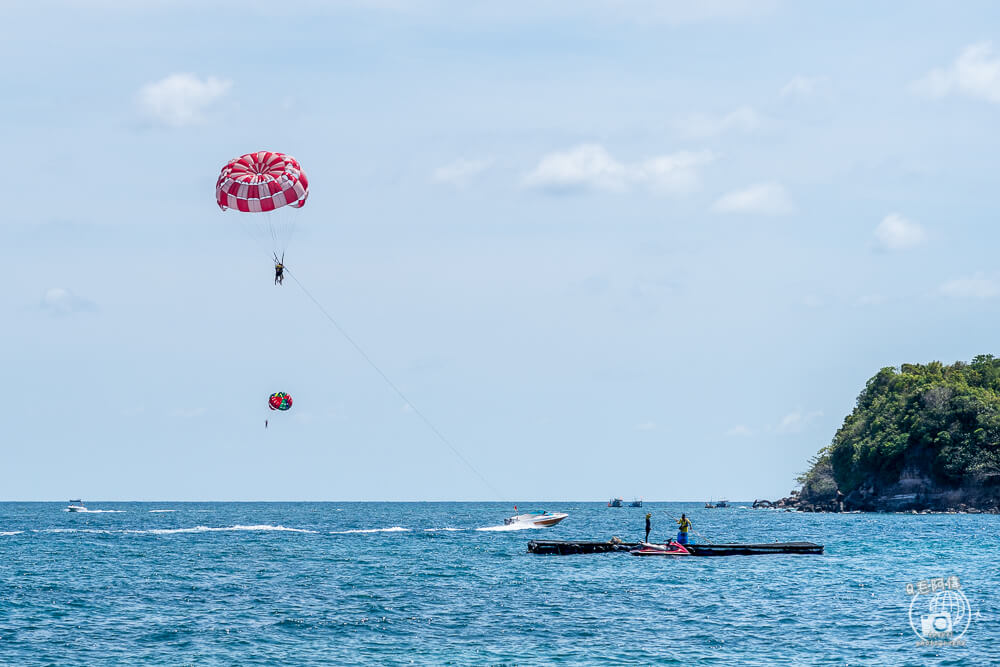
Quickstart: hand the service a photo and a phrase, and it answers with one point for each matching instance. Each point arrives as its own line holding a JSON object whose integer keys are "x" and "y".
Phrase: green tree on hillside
{"x": 942, "y": 420}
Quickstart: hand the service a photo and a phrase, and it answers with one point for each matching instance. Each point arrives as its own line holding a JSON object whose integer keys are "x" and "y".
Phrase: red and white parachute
{"x": 261, "y": 184}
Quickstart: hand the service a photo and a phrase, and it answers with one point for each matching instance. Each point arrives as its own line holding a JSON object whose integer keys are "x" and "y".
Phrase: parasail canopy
{"x": 261, "y": 182}
{"x": 279, "y": 401}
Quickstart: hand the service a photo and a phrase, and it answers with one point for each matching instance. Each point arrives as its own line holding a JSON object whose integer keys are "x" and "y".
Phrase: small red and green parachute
{"x": 279, "y": 401}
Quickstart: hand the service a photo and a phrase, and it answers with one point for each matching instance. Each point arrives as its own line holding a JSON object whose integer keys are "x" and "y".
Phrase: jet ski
{"x": 668, "y": 549}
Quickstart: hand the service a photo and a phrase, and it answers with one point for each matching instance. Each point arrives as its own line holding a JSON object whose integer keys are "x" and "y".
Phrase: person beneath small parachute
{"x": 279, "y": 400}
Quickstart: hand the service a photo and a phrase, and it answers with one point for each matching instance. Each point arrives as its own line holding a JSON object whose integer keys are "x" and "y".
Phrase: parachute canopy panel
{"x": 279, "y": 401}
{"x": 260, "y": 182}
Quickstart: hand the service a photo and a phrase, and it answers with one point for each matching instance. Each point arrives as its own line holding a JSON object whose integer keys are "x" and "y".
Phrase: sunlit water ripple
{"x": 402, "y": 583}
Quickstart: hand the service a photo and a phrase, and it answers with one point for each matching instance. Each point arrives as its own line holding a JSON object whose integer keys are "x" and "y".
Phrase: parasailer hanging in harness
{"x": 279, "y": 269}
{"x": 262, "y": 183}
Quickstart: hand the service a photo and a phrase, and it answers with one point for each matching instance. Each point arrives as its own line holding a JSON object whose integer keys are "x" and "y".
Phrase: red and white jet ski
{"x": 669, "y": 549}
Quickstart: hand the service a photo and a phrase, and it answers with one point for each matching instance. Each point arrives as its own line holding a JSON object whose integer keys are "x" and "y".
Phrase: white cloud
{"x": 591, "y": 167}
{"x": 181, "y": 99}
{"x": 701, "y": 126}
{"x": 897, "y": 233}
{"x": 794, "y": 422}
{"x": 765, "y": 198}
{"x": 739, "y": 431}
{"x": 677, "y": 11}
{"x": 804, "y": 86}
{"x": 584, "y": 167}
{"x": 460, "y": 172}
{"x": 646, "y": 426}
{"x": 600, "y": 12}
{"x": 812, "y": 301}
{"x": 62, "y": 301}
{"x": 976, "y": 73}
{"x": 976, "y": 287}
{"x": 674, "y": 173}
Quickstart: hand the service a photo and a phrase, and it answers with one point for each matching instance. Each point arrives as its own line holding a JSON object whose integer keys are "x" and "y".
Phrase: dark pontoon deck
{"x": 565, "y": 547}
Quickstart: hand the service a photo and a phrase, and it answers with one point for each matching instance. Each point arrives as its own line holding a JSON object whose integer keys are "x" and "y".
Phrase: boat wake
{"x": 206, "y": 529}
{"x": 156, "y": 511}
{"x": 86, "y": 511}
{"x": 394, "y": 529}
{"x": 440, "y": 530}
{"x": 10, "y": 532}
{"x": 174, "y": 531}
{"x": 75, "y": 530}
{"x": 520, "y": 525}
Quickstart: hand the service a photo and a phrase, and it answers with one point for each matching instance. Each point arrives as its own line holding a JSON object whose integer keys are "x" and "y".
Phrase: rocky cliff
{"x": 922, "y": 437}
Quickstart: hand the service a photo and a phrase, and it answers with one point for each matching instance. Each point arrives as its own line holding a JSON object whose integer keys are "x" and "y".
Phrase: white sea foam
{"x": 172, "y": 531}
{"x": 435, "y": 530}
{"x": 86, "y": 511}
{"x": 11, "y": 532}
{"x": 394, "y": 529}
{"x": 209, "y": 529}
{"x": 74, "y": 530}
{"x": 513, "y": 526}
{"x": 155, "y": 511}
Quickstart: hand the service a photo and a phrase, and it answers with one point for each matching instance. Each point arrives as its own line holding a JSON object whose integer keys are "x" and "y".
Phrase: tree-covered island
{"x": 921, "y": 437}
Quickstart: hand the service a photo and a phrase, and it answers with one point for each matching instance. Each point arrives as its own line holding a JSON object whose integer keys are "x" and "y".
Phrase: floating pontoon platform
{"x": 566, "y": 547}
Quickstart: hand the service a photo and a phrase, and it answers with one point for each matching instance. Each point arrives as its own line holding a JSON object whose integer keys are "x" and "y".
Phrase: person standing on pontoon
{"x": 648, "y": 516}
{"x": 683, "y": 526}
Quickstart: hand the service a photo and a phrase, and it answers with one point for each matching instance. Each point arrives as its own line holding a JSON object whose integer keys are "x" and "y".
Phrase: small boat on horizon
{"x": 76, "y": 506}
{"x": 616, "y": 502}
{"x": 537, "y": 518}
{"x": 719, "y": 504}
{"x": 636, "y": 503}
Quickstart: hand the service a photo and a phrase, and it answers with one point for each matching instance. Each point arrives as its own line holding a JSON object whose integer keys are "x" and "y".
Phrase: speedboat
{"x": 76, "y": 506}
{"x": 539, "y": 519}
{"x": 668, "y": 549}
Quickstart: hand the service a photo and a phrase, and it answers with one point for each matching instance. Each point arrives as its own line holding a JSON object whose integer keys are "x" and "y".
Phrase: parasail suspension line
{"x": 392, "y": 385}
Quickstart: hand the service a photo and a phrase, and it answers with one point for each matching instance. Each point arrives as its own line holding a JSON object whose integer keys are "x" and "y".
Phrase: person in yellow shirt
{"x": 279, "y": 269}
{"x": 683, "y": 526}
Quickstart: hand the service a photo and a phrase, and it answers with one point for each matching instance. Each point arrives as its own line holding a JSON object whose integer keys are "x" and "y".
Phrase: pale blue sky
{"x": 621, "y": 248}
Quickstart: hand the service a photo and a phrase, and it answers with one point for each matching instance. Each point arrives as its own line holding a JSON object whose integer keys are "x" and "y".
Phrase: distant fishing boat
{"x": 720, "y": 503}
{"x": 76, "y": 506}
{"x": 616, "y": 502}
{"x": 636, "y": 503}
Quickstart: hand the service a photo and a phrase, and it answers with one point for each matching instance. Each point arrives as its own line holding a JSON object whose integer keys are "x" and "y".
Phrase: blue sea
{"x": 446, "y": 583}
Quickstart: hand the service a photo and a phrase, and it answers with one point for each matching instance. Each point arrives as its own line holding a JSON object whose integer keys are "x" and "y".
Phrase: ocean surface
{"x": 446, "y": 583}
